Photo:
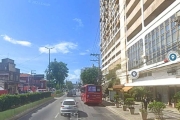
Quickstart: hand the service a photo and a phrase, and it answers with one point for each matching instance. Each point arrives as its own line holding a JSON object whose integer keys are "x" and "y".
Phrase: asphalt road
{"x": 86, "y": 112}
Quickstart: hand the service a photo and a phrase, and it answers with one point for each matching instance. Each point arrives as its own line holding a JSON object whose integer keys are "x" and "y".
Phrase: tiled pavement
{"x": 169, "y": 113}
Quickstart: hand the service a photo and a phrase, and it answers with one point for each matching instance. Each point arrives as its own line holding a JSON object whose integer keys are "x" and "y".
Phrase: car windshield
{"x": 68, "y": 103}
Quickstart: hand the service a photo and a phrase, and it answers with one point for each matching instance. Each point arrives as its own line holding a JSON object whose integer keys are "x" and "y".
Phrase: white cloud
{"x": 79, "y": 21}
{"x": 84, "y": 53}
{"x": 75, "y": 76}
{"x": 13, "y": 41}
{"x": 63, "y": 47}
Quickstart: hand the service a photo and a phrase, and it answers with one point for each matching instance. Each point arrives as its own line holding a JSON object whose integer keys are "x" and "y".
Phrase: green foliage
{"x": 112, "y": 73}
{"x": 178, "y": 106}
{"x": 126, "y": 95}
{"x": 110, "y": 85}
{"x": 57, "y": 87}
{"x": 177, "y": 95}
{"x": 58, "y": 92}
{"x": 139, "y": 92}
{"x": 129, "y": 102}
{"x": 12, "y": 101}
{"x": 69, "y": 85}
{"x": 156, "y": 107}
{"x": 143, "y": 110}
{"x": 90, "y": 75}
{"x": 116, "y": 98}
{"x": 58, "y": 72}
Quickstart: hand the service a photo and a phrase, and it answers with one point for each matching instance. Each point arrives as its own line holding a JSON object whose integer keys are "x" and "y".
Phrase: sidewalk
{"x": 169, "y": 113}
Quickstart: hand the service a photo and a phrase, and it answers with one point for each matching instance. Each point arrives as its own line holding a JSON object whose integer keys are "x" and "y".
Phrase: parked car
{"x": 69, "y": 106}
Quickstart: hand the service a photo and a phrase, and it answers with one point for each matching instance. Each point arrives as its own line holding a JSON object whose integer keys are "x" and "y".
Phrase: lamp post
{"x": 49, "y": 48}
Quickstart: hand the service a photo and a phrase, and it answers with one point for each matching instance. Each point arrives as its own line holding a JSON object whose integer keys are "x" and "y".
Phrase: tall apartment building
{"x": 149, "y": 44}
{"x": 112, "y": 34}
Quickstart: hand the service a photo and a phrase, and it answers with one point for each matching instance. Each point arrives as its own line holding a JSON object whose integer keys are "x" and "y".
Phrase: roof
{"x": 69, "y": 100}
{"x": 24, "y": 75}
{"x": 88, "y": 84}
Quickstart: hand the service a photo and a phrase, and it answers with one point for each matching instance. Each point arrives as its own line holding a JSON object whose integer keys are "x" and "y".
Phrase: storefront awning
{"x": 111, "y": 89}
{"x": 118, "y": 87}
{"x": 125, "y": 89}
{"x": 157, "y": 82}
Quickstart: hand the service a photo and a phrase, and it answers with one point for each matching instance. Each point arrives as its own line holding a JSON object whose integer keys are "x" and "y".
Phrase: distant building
{"x": 29, "y": 81}
{"x": 9, "y": 75}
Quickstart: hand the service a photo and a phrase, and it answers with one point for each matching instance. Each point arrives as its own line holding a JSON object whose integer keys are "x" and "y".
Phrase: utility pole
{"x": 32, "y": 73}
{"x": 99, "y": 69}
{"x": 49, "y": 63}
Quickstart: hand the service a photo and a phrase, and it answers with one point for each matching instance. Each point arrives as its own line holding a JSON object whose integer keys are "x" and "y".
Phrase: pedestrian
{"x": 145, "y": 102}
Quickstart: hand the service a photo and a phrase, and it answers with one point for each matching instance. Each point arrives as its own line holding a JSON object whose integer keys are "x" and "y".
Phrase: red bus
{"x": 91, "y": 93}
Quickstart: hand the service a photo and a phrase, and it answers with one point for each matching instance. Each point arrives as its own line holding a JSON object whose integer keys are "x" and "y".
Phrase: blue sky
{"x": 70, "y": 26}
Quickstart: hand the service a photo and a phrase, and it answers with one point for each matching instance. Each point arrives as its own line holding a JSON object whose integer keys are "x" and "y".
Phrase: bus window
{"x": 91, "y": 88}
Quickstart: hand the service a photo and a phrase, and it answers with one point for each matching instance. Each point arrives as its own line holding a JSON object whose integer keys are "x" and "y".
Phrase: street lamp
{"x": 49, "y": 48}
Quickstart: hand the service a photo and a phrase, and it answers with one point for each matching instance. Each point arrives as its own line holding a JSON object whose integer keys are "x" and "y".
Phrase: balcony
{"x": 134, "y": 29}
{"x": 134, "y": 15}
{"x": 156, "y": 8}
{"x": 147, "y": 3}
{"x": 130, "y": 7}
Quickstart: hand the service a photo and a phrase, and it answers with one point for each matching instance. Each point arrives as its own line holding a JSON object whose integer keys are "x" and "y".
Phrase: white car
{"x": 69, "y": 106}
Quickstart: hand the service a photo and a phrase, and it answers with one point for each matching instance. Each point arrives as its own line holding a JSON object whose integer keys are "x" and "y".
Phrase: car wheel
{"x": 61, "y": 114}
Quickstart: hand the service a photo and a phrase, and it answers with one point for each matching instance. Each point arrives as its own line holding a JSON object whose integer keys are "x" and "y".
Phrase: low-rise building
{"x": 9, "y": 75}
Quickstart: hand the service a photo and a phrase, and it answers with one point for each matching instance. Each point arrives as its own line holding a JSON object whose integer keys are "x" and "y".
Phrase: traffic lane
{"x": 48, "y": 112}
{"x": 92, "y": 112}
{"x": 68, "y": 117}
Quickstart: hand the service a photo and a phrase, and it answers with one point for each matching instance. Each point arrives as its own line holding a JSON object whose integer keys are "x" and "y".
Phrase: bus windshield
{"x": 94, "y": 88}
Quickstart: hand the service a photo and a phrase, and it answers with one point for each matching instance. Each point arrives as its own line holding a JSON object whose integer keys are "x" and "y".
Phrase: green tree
{"x": 112, "y": 72}
{"x": 90, "y": 75}
{"x": 140, "y": 92}
{"x": 69, "y": 85}
{"x": 58, "y": 72}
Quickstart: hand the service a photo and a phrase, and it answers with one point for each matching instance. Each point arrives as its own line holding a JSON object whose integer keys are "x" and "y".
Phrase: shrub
{"x": 157, "y": 108}
{"x": 178, "y": 106}
{"x": 10, "y": 101}
{"x": 129, "y": 102}
{"x": 126, "y": 95}
{"x": 58, "y": 92}
{"x": 116, "y": 98}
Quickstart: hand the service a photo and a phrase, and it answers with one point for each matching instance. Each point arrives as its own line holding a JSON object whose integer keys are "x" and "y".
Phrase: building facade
{"x": 9, "y": 75}
{"x": 32, "y": 82}
{"x": 112, "y": 35}
{"x": 149, "y": 45}
{"x": 155, "y": 38}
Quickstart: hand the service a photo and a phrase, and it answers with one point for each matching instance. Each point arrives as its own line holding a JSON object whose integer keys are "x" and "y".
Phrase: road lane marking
{"x": 56, "y": 115}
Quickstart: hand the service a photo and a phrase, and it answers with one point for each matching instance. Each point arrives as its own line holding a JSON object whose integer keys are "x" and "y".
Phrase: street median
{"x": 16, "y": 113}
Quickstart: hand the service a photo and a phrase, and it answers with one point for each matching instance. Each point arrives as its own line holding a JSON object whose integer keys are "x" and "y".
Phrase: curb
{"x": 115, "y": 112}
